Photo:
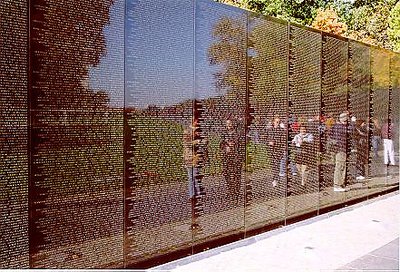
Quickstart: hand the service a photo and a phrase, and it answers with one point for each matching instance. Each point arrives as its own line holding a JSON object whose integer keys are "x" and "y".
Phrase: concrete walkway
{"x": 360, "y": 237}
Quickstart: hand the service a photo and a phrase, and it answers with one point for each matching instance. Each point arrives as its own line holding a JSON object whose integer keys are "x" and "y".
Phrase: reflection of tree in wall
{"x": 77, "y": 143}
{"x": 67, "y": 38}
{"x": 264, "y": 65}
{"x": 268, "y": 67}
{"x": 380, "y": 83}
{"x": 334, "y": 76}
{"x": 395, "y": 102}
{"x": 359, "y": 85}
{"x": 229, "y": 52}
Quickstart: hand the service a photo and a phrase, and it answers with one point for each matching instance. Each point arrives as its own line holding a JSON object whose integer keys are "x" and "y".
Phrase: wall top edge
{"x": 342, "y": 38}
{"x": 308, "y": 28}
{"x": 375, "y": 47}
{"x": 227, "y": 6}
{"x": 254, "y": 15}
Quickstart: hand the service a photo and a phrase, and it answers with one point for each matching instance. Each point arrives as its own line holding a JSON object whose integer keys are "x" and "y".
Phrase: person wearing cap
{"x": 339, "y": 136}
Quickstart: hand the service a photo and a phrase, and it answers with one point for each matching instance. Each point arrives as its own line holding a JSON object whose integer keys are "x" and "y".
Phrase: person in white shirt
{"x": 300, "y": 140}
{"x": 388, "y": 149}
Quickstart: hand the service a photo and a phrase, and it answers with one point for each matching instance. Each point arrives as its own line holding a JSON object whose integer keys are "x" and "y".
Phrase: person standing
{"x": 301, "y": 141}
{"x": 276, "y": 139}
{"x": 192, "y": 159}
{"x": 338, "y": 135}
{"x": 232, "y": 161}
{"x": 376, "y": 136}
{"x": 388, "y": 149}
{"x": 361, "y": 145}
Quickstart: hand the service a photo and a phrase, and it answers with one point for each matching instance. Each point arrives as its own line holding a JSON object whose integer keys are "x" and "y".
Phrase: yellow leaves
{"x": 327, "y": 20}
{"x": 394, "y": 27}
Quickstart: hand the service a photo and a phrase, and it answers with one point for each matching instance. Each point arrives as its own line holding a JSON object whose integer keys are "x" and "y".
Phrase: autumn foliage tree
{"x": 327, "y": 20}
{"x": 371, "y": 21}
{"x": 394, "y": 27}
{"x": 299, "y": 11}
{"x": 370, "y": 24}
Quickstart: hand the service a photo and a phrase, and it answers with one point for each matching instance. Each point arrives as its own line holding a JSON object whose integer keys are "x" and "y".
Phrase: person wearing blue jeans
{"x": 376, "y": 136}
{"x": 194, "y": 187}
{"x": 278, "y": 151}
{"x": 191, "y": 160}
{"x": 282, "y": 166}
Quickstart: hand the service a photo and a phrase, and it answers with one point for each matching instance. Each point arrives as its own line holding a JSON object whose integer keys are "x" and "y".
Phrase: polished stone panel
{"x": 134, "y": 132}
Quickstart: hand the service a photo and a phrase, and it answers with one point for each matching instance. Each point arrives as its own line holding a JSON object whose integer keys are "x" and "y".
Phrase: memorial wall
{"x": 135, "y": 132}
{"x": 14, "y": 172}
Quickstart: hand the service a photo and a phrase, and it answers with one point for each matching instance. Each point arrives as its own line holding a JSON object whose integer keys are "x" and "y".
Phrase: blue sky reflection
{"x": 161, "y": 58}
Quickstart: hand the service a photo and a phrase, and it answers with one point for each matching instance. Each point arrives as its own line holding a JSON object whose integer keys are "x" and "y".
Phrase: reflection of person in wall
{"x": 232, "y": 159}
{"x": 192, "y": 161}
{"x": 302, "y": 142}
{"x": 255, "y": 132}
{"x": 387, "y": 137}
{"x": 376, "y": 136}
{"x": 338, "y": 135}
{"x": 276, "y": 139}
{"x": 360, "y": 136}
{"x": 352, "y": 131}
{"x": 329, "y": 121}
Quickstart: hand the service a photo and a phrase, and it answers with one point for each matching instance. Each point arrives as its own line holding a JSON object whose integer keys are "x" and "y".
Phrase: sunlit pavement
{"x": 359, "y": 237}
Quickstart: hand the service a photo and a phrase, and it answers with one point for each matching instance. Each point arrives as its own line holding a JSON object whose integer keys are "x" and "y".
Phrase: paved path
{"x": 384, "y": 258}
{"x": 363, "y": 236}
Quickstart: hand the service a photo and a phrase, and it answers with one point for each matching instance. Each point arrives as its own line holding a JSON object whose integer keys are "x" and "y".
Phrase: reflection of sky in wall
{"x": 208, "y": 13}
{"x": 160, "y": 52}
{"x": 109, "y": 74}
{"x": 205, "y": 86}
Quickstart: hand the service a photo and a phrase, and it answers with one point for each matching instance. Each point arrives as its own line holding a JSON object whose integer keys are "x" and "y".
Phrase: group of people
{"x": 359, "y": 132}
{"x": 195, "y": 155}
{"x": 345, "y": 133}
{"x": 341, "y": 134}
{"x": 277, "y": 139}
